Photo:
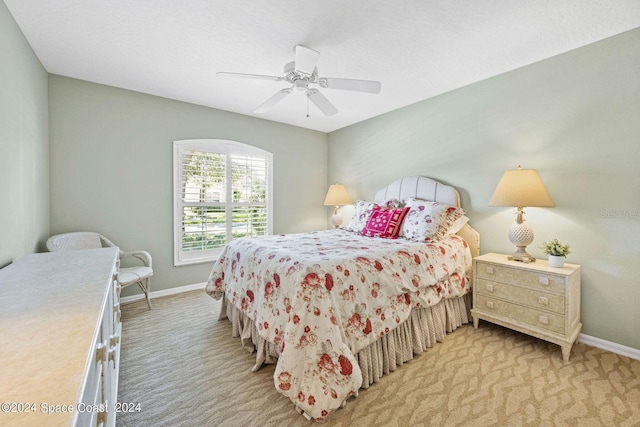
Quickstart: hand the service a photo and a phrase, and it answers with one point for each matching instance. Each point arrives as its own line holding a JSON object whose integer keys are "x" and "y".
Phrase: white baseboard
{"x": 585, "y": 339}
{"x": 164, "y": 292}
{"x": 622, "y": 350}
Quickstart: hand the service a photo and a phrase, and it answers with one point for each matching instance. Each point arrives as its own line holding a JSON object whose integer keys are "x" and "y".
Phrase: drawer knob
{"x": 544, "y": 280}
{"x": 114, "y": 340}
{"x": 101, "y": 352}
{"x": 101, "y": 419}
{"x": 489, "y": 287}
{"x": 490, "y": 304}
{"x": 489, "y": 270}
{"x": 543, "y": 300}
{"x": 543, "y": 319}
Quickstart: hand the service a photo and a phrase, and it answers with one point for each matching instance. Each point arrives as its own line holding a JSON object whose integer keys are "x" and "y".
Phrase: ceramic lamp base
{"x": 336, "y": 219}
{"x": 522, "y": 256}
{"x": 521, "y": 235}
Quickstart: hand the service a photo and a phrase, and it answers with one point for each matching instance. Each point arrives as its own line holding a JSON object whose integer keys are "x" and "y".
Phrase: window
{"x": 221, "y": 191}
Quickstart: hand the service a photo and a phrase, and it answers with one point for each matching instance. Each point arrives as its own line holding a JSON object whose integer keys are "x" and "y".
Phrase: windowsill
{"x": 209, "y": 259}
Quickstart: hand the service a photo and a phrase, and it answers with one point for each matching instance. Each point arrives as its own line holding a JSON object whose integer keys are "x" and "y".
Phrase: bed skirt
{"x": 421, "y": 330}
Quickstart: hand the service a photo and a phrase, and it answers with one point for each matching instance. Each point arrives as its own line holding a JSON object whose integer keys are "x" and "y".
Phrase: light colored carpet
{"x": 184, "y": 368}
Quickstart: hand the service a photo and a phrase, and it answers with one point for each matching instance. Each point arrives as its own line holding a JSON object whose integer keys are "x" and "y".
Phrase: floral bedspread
{"x": 323, "y": 296}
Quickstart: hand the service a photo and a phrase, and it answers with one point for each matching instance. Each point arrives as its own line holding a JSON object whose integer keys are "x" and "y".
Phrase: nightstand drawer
{"x": 525, "y": 296}
{"x": 535, "y": 318}
{"x": 533, "y": 279}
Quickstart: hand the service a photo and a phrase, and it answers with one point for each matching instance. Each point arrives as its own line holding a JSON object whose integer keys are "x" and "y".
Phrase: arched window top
{"x": 220, "y": 145}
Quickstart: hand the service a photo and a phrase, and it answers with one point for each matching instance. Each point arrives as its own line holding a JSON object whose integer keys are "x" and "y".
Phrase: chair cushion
{"x": 131, "y": 275}
{"x": 74, "y": 241}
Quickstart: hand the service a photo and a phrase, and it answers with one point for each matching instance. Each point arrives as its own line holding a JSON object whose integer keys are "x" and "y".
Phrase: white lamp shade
{"x": 337, "y": 195}
{"x": 520, "y": 188}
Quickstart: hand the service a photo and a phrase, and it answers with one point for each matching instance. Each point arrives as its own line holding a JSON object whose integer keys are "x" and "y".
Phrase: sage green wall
{"x": 573, "y": 117}
{"x": 576, "y": 119}
{"x": 111, "y": 168}
{"x": 24, "y": 145}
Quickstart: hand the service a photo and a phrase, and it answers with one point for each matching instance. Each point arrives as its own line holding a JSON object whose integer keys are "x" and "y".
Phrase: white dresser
{"x": 60, "y": 339}
{"x": 532, "y": 298}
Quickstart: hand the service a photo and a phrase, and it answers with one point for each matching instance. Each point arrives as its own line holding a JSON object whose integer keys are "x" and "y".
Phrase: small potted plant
{"x": 557, "y": 252}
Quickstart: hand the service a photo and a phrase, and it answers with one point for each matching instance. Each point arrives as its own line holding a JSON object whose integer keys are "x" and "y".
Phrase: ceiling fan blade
{"x": 320, "y": 101}
{"x": 368, "y": 86}
{"x": 306, "y": 59}
{"x": 250, "y": 76}
{"x": 269, "y": 103}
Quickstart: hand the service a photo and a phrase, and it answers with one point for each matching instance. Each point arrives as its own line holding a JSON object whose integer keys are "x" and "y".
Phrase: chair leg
{"x": 146, "y": 288}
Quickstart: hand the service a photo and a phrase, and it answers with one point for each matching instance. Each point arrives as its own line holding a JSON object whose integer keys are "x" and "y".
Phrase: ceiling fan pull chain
{"x": 307, "y": 93}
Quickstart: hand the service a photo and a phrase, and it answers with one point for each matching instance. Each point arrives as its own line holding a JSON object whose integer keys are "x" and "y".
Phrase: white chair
{"x": 141, "y": 275}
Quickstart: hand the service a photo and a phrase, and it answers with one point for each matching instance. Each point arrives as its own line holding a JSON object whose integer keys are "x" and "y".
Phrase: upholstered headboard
{"x": 419, "y": 187}
{"x": 425, "y": 188}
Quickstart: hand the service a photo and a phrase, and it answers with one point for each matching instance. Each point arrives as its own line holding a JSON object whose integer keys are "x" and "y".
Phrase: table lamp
{"x": 336, "y": 196}
{"x": 520, "y": 188}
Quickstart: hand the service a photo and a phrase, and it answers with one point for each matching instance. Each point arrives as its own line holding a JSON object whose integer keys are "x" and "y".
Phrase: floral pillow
{"x": 458, "y": 224}
{"x": 428, "y": 221}
{"x": 384, "y": 222}
{"x": 393, "y": 203}
{"x": 360, "y": 216}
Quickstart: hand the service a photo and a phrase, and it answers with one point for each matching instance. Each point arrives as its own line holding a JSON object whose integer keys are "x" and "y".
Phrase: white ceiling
{"x": 417, "y": 48}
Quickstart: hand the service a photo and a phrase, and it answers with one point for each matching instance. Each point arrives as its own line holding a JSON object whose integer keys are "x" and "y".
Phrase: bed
{"x": 336, "y": 310}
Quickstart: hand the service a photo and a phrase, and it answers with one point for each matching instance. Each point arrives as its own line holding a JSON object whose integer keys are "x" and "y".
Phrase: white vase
{"x": 556, "y": 261}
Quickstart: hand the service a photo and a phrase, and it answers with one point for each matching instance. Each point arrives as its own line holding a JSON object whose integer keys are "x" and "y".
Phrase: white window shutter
{"x": 222, "y": 191}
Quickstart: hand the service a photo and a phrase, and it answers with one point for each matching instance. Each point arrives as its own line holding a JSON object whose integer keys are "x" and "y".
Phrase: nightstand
{"x": 532, "y": 298}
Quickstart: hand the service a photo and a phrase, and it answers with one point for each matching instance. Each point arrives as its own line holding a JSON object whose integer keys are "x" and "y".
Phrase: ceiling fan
{"x": 301, "y": 74}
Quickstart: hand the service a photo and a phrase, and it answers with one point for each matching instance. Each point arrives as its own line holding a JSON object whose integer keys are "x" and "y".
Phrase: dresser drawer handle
{"x": 490, "y": 304}
{"x": 114, "y": 340}
{"x": 113, "y": 351}
{"x": 543, "y": 280}
{"x": 543, "y": 319}
{"x": 489, "y": 287}
{"x": 101, "y": 352}
{"x": 543, "y": 300}
{"x": 489, "y": 270}
{"x": 101, "y": 419}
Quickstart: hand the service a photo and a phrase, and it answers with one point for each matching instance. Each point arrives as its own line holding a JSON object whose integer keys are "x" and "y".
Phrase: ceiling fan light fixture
{"x": 301, "y": 73}
{"x": 301, "y": 84}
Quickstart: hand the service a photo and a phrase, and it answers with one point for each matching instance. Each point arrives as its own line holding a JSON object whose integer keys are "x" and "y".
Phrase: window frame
{"x": 226, "y": 148}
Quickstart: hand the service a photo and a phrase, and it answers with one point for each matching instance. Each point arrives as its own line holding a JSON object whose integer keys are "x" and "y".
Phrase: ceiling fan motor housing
{"x": 301, "y": 84}
{"x": 292, "y": 75}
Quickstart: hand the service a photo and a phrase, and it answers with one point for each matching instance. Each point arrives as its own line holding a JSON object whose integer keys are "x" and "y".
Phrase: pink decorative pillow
{"x": 384, "y": 222}
{"x": 429, "y": 221}
{"x": 360, "y": 216}
{"x": 363, "y": 212}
